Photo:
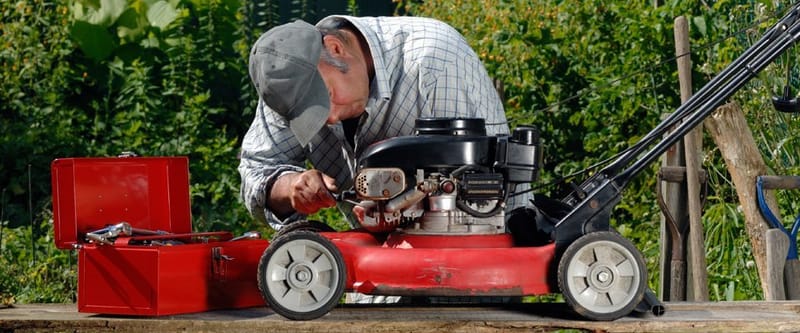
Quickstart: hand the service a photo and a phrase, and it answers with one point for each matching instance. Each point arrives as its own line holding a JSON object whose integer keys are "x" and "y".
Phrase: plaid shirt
{"x": 423, "y": 68}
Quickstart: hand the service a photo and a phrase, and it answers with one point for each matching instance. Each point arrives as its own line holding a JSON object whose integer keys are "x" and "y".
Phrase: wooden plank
{"x": 677, "y": 174}
{"x": 780, "y": 182}
{"x": 541, "y": 317}
{"x": 791, "y": 279}
{"x": 777, "y": 247}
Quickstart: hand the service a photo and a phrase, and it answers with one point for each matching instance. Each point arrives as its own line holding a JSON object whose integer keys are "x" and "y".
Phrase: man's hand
{"x": 305, "y": 192}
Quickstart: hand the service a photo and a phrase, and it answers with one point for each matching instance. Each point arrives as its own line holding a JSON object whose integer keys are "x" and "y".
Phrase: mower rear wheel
{"x": 301, "y": 275}
{"x": 602, "y": 276}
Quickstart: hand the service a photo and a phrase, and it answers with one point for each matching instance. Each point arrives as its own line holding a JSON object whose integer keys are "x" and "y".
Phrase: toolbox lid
{"x": 92, "y": 193}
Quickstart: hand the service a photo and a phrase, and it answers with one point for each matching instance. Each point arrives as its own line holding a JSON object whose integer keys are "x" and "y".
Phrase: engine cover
{"x": 410, "y": 153}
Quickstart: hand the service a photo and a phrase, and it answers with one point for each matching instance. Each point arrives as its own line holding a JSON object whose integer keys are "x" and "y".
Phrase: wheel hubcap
{"x": 603, "y": 276}
{"x": 300, "y": 275}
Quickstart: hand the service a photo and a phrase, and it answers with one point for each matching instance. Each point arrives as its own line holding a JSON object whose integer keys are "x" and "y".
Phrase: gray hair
{"x": 333, "y": 26}
{"x": 329, "y": 59}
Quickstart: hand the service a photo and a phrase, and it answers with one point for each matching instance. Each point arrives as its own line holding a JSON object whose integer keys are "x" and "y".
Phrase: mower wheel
{"x": 308, "y": 225}
{"x": 602, "y": 276}
{"x": 301, "y": 275}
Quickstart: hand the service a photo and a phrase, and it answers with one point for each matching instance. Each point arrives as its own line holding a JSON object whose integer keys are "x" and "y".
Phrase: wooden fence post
{"x": 732, "y": 135}
{"x": 694, "y": 145}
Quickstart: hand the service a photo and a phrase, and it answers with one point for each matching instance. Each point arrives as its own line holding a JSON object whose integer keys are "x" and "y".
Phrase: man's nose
{"x": 332, "y": 116}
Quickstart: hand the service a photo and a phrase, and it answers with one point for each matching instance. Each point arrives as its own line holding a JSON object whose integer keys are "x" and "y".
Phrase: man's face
{"x": 348, "y": 91}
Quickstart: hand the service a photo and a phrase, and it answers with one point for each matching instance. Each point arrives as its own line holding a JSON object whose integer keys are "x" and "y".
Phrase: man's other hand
{"x": 310, "y": 191}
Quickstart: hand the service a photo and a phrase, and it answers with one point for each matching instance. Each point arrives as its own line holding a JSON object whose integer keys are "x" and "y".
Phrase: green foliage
{"x": 32, "y": 270}
{"x": 352, "y": 7}
{"x": 732, "y": 274}
{"x": 36, "y": 123}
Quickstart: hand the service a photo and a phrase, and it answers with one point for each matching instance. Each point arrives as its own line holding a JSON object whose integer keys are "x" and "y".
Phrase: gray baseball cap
{"x": 283, "y": 68}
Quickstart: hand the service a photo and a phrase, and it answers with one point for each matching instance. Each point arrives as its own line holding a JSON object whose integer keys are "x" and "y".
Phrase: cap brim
{"x": 312, "y": 110}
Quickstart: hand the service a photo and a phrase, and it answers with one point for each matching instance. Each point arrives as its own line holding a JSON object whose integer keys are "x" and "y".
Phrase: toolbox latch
{"x": 219, "y": 263}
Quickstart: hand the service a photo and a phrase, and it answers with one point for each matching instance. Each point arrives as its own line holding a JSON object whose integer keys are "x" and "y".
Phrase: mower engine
{"x": 447, "y": 178}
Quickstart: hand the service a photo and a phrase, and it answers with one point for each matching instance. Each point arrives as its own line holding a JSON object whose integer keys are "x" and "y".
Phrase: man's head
{"x": 346, "y": 68}
{"x": 310, "y": 76}
{"x": 283, "y": 68}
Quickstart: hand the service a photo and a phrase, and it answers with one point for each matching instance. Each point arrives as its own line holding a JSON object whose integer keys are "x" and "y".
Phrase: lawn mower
{"x": 433, "y": 222}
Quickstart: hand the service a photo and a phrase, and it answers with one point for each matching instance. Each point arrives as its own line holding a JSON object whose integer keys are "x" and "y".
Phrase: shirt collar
{"x": 369, "y": 28}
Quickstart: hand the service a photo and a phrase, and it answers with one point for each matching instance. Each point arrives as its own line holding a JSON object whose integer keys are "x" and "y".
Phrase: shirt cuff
{"x": 273, "y": 220}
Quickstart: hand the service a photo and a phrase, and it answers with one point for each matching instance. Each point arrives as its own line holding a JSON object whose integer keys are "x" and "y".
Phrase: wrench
{"x": 247, "y": 235}
{"x": 109, "y": 233}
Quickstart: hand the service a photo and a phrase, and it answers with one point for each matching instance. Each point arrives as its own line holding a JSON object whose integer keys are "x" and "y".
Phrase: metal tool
{"x": 110, "y": 233}
{"x": 247, "y": 235}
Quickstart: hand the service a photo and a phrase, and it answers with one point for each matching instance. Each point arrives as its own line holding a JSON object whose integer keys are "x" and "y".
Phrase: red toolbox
{"x": 157, "y": 266}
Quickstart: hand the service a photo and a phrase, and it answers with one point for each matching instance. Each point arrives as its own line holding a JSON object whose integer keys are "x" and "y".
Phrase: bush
{"x": 32, "y": 270}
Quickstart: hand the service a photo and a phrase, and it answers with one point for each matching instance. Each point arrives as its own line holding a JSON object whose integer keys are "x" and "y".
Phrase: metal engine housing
{"x": 447, "y": 178}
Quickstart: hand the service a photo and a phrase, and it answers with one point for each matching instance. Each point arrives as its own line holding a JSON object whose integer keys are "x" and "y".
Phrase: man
{"x": 368, "y": 79}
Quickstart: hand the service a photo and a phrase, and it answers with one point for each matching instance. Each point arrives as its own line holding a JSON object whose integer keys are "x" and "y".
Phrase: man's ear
{"x": 334, "y": 45}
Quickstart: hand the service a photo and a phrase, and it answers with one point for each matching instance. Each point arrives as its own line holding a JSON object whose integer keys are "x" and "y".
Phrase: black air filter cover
{"x": 429, "y": 151}
{"x": 450, "y": 126}
{"x": 438, "y": 143}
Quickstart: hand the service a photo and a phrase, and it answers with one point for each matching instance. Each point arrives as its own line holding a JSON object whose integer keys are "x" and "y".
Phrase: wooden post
{"x": 777, "y": 247}
{"x": 693, "y": 145}
{"x": 732, "y": 135}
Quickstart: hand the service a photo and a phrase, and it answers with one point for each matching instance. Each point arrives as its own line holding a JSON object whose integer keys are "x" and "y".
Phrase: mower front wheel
{"x": 301, "y": 275}
{"x": 307, "y": 225}
{"x": 602, "y": 276}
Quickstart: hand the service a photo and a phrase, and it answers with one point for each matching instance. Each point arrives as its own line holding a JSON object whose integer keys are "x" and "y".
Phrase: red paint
{"x": 147, "y": 192}
{"x": 444, "y": 265}
{"x": 204, "y": 273}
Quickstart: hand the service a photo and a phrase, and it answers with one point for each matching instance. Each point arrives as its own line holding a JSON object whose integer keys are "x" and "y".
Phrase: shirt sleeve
{"x": 269, "y": 149}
